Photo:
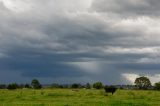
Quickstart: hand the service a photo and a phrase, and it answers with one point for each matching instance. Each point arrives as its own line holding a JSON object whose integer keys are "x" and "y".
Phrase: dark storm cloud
{"x": 78, "y": 40}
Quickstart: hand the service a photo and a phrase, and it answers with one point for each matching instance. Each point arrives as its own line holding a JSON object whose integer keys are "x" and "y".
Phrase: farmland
{"x": 80, "y": 97}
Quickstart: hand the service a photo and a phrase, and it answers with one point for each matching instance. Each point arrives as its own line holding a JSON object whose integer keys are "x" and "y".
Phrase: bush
{"x": 110, "y": 89}
{"x": 12, "y": 86}
{"x": 98, "y": 85}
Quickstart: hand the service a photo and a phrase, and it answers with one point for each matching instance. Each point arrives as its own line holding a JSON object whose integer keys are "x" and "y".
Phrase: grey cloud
{"x": 42, "y": 41}
{"x": 128, "y": 7}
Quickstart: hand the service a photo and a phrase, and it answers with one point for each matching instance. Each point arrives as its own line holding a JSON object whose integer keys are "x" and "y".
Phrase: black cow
{"x": 110, "y": 89}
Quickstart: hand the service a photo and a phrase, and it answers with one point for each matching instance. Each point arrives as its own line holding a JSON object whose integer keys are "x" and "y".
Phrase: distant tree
{"x": 98, "y": 85}
{"x": 3, "y": 86}
{"x": 35, "y": 84}
{"x": 75, "y": 85}
{"x": 61, "y": 86}
{"x": 27, "y": 86}
{"x": 143, "y": 82}
{"x": 88, "y": 86}
{"x": 157, "y": 86}
{"x": 12, "y": 86}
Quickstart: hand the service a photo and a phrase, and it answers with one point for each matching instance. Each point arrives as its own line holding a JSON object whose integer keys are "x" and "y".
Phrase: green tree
{"x": 98, "y": 85}
{"x": 75, "y": 85}
{"x": 27, "y": 86}
{"x": 142, "y": 82}
{"x": 35, "y": 84}
{"x": 12, "y": 86}
{"x": 3, "y": 86}
{"x": 157, "y": 86}
{"x": 88, "y": 86}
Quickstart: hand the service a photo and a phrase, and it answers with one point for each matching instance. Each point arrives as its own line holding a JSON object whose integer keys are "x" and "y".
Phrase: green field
{"x": 83, "y": 97}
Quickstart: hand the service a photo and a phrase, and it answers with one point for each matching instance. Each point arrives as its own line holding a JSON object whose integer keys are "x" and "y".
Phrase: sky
{"x": 79, "y": 41}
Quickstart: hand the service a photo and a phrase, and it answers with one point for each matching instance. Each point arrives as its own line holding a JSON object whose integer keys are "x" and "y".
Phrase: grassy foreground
{"x": 67, "y": 97}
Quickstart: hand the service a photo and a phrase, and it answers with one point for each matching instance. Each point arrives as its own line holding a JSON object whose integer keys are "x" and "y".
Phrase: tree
{"x": 98, "y": 85}
{"x": 157, "y": 86}
{"x": 2, "y": 86}
{"x": 27, "y": 86}
{"x": 12, "y": 86}
{"x": 88, "y": 86}
{"x": 75, "y": 85}
{"x": 142, "y": 82}
{"x": 35, "y": 84}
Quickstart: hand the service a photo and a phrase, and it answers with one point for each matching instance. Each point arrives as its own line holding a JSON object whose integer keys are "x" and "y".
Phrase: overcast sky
{"x": 67, "y": 41}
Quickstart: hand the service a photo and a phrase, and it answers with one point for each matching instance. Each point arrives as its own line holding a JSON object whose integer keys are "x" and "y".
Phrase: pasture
{"x": 82, "y": 97}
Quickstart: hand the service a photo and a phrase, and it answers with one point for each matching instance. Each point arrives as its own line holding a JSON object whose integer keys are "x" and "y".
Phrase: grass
{"x": 83, "y": 97}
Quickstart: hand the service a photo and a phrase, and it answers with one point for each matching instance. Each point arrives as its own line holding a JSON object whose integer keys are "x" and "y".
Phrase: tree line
{"x": 35, "y": 84}
{"x": 142, "y": 83}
